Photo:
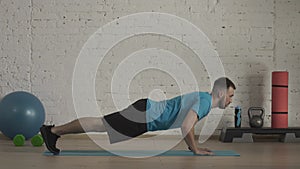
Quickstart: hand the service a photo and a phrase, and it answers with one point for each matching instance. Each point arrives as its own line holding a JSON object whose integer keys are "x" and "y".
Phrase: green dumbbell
{"x": 19, "y": 140}
{"x": 37, "y": 140}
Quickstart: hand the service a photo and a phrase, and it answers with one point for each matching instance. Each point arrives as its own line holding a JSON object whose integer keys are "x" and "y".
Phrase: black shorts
{"x": 128, "y": 123}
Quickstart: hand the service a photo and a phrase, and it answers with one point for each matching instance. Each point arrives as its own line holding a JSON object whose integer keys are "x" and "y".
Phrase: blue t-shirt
{"x": 168, "y": 114}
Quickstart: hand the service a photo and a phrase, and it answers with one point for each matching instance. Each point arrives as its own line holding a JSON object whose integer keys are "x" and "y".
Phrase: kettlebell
{"x": 256, "y": 120}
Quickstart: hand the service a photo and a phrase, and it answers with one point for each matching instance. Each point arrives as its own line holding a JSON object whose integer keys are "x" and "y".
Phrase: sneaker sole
{"x": 44, "y": 135}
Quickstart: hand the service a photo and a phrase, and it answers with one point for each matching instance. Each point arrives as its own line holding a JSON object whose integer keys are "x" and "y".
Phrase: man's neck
{"x": 214, "y": 101}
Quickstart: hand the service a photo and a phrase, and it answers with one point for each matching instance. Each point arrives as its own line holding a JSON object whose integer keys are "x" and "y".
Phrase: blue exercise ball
{"x": 21, "y": 113}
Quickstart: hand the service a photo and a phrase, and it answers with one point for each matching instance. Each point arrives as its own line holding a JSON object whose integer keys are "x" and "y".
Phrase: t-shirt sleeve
{"x": 201, "y": 108}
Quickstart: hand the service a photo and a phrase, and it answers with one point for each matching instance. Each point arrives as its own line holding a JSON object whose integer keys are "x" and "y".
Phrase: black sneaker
{"x": 50, "y": 139}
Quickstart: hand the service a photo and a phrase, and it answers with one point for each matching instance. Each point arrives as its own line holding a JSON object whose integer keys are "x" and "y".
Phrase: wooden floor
{"x": 261, "y": 154}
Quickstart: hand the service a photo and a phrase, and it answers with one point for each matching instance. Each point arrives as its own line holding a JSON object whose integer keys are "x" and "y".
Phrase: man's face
{"x": 227, "y": 98}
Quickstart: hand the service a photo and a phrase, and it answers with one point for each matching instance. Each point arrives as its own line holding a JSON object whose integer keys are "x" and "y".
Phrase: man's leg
{"x": 82, "y": 125}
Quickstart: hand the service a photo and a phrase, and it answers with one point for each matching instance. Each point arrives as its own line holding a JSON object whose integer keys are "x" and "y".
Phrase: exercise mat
{"x": 137, "y": 153}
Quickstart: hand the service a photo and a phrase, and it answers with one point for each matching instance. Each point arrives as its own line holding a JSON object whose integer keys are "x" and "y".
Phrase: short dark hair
{"x": 221, "y": 83}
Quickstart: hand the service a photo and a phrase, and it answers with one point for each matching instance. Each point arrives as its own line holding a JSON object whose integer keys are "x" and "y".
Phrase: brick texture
{"x": 41, "y": 40}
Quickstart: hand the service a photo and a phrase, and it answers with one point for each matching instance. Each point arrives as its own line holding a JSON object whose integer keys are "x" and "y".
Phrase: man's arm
{"x": 187, "y": 130}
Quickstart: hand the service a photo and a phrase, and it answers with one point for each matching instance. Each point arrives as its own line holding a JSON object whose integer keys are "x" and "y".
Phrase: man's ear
{"x": 221, "y": 93}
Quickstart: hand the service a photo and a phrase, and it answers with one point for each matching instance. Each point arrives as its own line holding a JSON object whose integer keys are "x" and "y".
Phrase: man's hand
{"x": 202, "y": 151}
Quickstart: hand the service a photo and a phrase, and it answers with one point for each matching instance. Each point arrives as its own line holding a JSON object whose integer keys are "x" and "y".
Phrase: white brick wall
{"x": 40, "y": 41}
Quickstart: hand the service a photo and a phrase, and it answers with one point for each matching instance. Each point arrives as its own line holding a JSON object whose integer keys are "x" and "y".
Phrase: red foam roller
{"x": 280, "y": 78}
{"x": 279, "y": 121}
{"x": 280, "y": 99}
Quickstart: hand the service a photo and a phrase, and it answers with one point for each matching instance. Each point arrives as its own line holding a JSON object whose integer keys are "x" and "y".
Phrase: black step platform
{"x": 287, "y": 135}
